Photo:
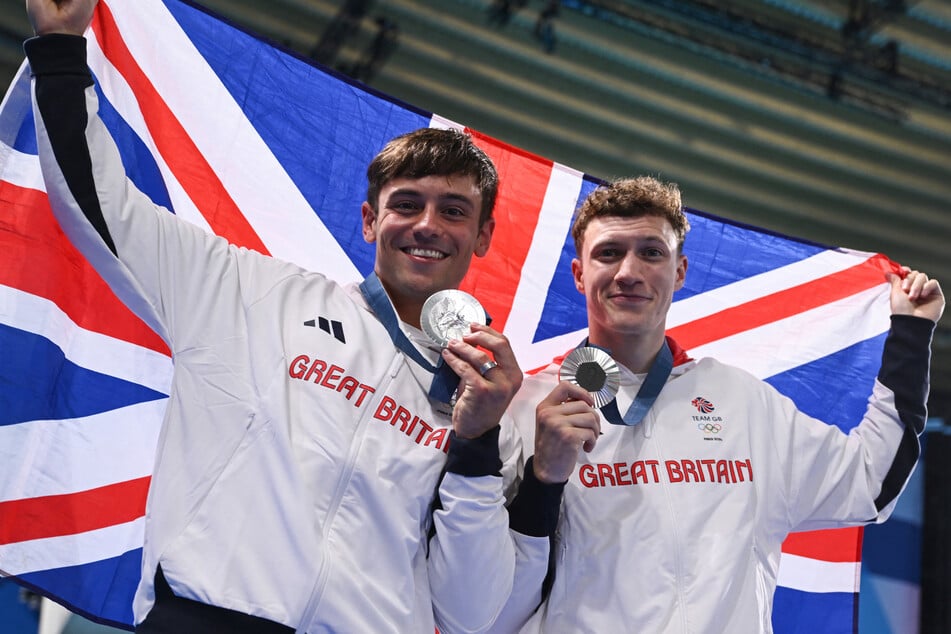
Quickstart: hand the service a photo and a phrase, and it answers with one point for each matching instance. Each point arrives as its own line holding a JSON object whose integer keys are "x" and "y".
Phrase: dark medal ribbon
{"x": 445, "y": 381}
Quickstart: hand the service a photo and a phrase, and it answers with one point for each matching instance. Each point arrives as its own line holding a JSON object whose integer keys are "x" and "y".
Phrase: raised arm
{"x": 856, "y": 478}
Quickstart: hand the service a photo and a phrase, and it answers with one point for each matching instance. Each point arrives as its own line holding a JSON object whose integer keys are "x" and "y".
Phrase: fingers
{"x": 567, "y": 391}
{"x": 914, "y": 293}
{"x": 931, "y": 301}
{"x": 60, "y": 16}
{"x": 486, "y": 385}
{"x": 494, "y": 341}
{"x": 562, "y": 428}
{"x": 573, "y": 424}
{"x": 913, "y": 283}
{"x": 484, "y": 353}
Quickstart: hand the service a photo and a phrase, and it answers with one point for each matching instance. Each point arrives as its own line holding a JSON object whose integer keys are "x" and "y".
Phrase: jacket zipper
{"x": 340, "y": 488}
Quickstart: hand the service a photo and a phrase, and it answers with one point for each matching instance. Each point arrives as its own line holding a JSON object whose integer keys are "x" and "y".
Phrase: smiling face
{"x": 628, "y": 270}
{"x": 426, "y": 231}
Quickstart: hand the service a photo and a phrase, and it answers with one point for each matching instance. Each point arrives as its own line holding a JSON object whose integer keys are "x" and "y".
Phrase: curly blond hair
{"x": 632, "y": 198}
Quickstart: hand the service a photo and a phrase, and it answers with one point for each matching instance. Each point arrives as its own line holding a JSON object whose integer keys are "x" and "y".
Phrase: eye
{"x": 455, "y": 212}
{"x": 607, "y": 253}
{"x": 654, "y": 252}
{"x": 404, "y": 206}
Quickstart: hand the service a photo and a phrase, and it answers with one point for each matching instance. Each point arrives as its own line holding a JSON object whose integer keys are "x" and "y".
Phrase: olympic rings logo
{"x": 712, "y": 428}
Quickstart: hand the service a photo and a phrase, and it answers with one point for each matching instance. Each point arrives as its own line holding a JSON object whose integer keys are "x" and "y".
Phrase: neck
{"x": 636, "y": 353}
{"x": 407, "y": 309}
{"x": 408, "y": 312}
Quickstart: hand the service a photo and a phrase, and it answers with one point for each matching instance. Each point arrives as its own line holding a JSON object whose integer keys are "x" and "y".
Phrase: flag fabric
{"x": 270, "y": 151}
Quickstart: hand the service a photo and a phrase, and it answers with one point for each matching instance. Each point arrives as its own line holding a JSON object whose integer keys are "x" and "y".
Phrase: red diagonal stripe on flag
{"x": 783, "y": 304}
{"x": 71, "y": 513}
{"x": 523, "y": 182}
{"x": 840, "y": 545}
{"x": 181, "y": 154}
{"x": 57, "y": 272}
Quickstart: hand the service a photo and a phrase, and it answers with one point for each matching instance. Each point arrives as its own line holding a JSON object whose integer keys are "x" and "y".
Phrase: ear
{"x": 369, "y": 222}
{"x": 681, "y": 273}
{"x": 484, "y": 239}
{"x": 578, "y": 274}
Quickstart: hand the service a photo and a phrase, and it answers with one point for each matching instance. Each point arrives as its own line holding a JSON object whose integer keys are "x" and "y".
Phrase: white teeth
{"x": 426, "y": 253}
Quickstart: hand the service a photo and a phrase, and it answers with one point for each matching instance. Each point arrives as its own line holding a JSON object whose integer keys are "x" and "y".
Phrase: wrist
{"x": 546, "y": 475}
{"x": 474, "y": 457}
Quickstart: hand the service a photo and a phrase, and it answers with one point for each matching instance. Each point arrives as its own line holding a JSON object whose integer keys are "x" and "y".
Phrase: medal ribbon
{"x": 445, "y": 381}
{"x": 650, "y": 389}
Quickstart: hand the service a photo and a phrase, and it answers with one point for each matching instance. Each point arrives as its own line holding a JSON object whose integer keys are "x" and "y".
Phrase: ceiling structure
{"x": 828, "y": 120}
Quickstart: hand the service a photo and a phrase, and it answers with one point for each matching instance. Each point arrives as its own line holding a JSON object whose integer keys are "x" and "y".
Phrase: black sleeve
{"x": 61, "y": 76}
{"x": 536, "y": 506}
{"x": 905, "y": 370}
{"x": 473, "y": 457}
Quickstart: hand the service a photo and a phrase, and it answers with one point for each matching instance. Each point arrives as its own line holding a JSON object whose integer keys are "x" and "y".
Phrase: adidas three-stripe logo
{"x": 330, "y": 326}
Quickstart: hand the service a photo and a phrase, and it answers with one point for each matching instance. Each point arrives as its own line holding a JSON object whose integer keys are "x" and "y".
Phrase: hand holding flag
{"x": 71, "y": 17}
{"x": 915, "y": 294}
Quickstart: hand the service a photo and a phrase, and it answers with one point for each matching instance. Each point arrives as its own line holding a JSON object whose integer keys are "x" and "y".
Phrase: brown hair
{"x": 434, "y": 152}
{"x": 632, "y": 198}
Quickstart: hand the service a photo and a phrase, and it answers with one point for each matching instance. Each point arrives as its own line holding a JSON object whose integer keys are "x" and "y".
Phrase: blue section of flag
{"x": 40, "y": 383}
{"x": 26, "y": 136}
{"x": 140, "y": 165}
{"x": 855, "y": 367}
{"x": 796, "y": 612}
{"x": 16, "y": 613}
{"x": 326, "y": 155}
{"x": 720, "y": 252}
{"x": 113, "y": 581}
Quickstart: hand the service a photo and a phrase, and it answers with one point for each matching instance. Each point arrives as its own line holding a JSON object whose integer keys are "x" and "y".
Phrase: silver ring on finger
{"x": 488, "y": 365}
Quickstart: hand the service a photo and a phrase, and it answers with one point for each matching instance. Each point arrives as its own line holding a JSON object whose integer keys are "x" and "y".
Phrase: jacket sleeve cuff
{"x": 905, "y": 369}
{"x": 475, "y": 457}
{"x": 535, "y": 509}
{"x": 57, "y": 54}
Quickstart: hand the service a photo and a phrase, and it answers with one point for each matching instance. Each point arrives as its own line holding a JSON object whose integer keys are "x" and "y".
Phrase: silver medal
{"x": 447, "y": 314}
{"x": 595, "y": 371}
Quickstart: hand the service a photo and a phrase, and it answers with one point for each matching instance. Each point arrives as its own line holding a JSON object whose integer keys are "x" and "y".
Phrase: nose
{"x": 428, "y": 222}
{"x": 629, "y": 270}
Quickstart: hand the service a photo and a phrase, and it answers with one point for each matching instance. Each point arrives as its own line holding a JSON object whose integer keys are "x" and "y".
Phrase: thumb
{"x": 894, "y": 280}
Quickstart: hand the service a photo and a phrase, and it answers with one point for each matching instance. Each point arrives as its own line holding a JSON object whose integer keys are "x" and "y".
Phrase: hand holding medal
{"x": 489, "y": 375}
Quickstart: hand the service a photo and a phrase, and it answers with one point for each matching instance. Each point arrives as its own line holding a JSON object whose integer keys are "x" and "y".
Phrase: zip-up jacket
{"x": 300, "y": 455}
{"x": 674, "y": 525}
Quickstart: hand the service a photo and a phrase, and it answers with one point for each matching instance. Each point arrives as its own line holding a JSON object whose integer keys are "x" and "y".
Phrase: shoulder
{"x": 708, "y": 369}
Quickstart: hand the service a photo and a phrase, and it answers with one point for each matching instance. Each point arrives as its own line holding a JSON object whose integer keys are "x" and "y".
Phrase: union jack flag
{"x": 266, "y": 149}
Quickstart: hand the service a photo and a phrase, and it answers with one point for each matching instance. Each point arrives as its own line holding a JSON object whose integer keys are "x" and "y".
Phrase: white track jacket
{"x": 300, "y": 454}
{"x": 674, "y": 526}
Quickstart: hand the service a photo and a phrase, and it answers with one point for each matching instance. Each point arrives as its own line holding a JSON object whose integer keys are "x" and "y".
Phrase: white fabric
{"x": 675, "y": 525}
{"x": 295, "y": 472}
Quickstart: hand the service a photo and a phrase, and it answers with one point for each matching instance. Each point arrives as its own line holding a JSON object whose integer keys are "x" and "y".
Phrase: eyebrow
{"x": 451, "y": 196}
{"x": 613, "y": 242}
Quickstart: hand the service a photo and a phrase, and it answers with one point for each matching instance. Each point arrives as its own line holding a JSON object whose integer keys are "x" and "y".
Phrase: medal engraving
{"x": 594, "y": 370}
{"x": 447, "y": 314}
